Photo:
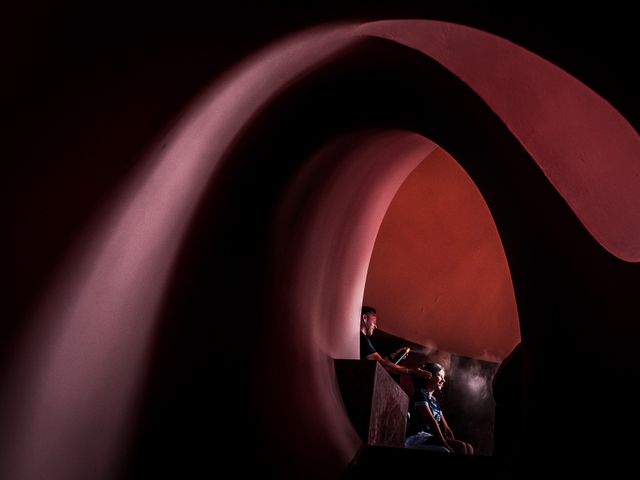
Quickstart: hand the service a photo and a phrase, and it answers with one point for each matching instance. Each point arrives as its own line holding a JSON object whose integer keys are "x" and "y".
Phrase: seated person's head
{"x": 436, "y": 382}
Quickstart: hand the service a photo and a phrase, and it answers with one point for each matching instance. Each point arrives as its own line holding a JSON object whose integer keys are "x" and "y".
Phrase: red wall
{"x": 438, "y": 274}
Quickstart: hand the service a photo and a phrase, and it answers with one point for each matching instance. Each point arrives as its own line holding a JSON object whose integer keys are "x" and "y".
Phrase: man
{"x": 368, "y": 323}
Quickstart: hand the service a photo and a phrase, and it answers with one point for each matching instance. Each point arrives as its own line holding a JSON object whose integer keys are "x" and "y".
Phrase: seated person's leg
{"x": 460, "y": 446}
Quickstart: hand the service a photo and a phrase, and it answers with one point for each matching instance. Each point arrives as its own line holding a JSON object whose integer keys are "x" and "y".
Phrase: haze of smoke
{"x": 432, "y": 353}
{"x": 475, "y": 380}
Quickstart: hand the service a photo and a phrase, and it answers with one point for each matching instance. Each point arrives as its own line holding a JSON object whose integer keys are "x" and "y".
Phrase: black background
{"x": 86, "y": 88}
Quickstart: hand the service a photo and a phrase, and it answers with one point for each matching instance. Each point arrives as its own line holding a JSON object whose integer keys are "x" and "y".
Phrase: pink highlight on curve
{"x": 585, "y": 147}
{"x": 88, "y": 350}
{"x": 324, "y": 294}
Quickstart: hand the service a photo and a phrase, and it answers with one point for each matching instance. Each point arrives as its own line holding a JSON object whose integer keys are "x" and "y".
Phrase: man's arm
{"x": 391, "y": 367}
{"x": 398, "y": 355}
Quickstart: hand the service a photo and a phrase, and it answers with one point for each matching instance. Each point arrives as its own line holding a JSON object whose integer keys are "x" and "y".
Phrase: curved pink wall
{"x": 583, "y": 145}
{"x": 67, "y": 405}
{"x": 88, "y": 349}
{"x": 320, "y": 276}
{"x": 438, "y": 274}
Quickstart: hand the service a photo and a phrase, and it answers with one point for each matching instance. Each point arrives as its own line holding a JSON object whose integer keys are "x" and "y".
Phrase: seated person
{"x": 427, "y": 424}
{"x": 368, "y": 323}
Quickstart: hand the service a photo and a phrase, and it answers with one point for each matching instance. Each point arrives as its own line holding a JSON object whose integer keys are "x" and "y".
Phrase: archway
{"x": 440, "y": 281}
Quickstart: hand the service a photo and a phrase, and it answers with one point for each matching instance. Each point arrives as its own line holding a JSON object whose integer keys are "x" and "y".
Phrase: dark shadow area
{"x": 577, "y": 303}
{"x": 388, "y": 462}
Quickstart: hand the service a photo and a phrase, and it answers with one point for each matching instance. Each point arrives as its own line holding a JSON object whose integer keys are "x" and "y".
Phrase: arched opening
{"x": 327, "y": 226}
{"x": 439, "y": 279}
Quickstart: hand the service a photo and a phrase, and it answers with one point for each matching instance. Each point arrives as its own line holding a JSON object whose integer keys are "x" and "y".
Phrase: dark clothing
{"x": 417, "y": 424}
{"x": 366, "y": 347}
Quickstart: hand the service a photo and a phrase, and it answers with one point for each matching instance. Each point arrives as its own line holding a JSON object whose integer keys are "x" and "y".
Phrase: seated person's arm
{"x": 446, "y": 429}
{"x": 425, "y": 413}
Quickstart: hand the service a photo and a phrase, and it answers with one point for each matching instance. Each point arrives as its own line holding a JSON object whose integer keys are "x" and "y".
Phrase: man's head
{"x": 368, "y": 320}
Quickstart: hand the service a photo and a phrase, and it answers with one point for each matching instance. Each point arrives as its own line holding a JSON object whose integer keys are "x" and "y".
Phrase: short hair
{"x": 366, "y": 310}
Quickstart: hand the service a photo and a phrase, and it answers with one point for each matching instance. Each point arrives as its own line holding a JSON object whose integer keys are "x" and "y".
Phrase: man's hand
{"x": 422, "y": 373}
{"x": 397, "y": 352}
